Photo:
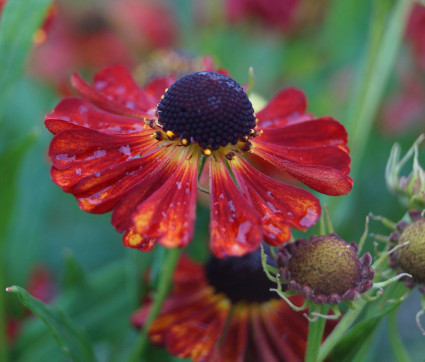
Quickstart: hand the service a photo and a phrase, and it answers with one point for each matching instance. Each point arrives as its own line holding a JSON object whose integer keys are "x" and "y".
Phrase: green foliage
{"x": 19, "y": 21}
{"x": 67, "y": 334}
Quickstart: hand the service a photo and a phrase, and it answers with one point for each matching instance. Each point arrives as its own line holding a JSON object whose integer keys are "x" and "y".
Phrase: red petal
{"x": 235, "y": 228}
{"x": 330, "y": 176}
{"x": 196, "y": 335}
{"x": 79, "y": 153}
{"x": 188, "y": 271}
{"x": 77, "y": 111}
{"x": 101, "y": 101}
{"x": 233, "y": 343}
{"x": 278, "y": 204}
{"x": 175, "y": 314}
{"x": 122, "y": 213}
{"x": 287, "y": 329}
{"x": 156, "y": 88}
{"x": 99, "y": 193}
{"x": 287, "y": 105}
{"x": 317, "y": 132}
{"x": 132, "y": 239}
{"x": 326, "y": 156}
{"x": 168, "y": 215}
{"x": 261, "y": 344}
{"x": 117, "y": 84}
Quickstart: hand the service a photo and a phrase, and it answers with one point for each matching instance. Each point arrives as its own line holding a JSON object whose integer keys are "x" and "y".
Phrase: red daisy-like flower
{"x": 136, "y": 151}
{"x": 225, "y": 312}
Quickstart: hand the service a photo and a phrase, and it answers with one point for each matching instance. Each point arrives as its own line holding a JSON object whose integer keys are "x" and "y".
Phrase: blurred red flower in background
{"x": 404, "y": 109}
{"x": 224, "y": 311}
{"x": 277, "y": 13}
{"x": 93, "y": 37}
{"x": 415, "y": 34}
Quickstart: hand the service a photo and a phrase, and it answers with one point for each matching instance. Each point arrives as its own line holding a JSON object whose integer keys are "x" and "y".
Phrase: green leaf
{"x": 10, "y": 161}
{"x": 19, "y": 21}
{"x": 73, "y": 275}
{"x": 100, "y": 296}
{"x": 354, "y": 342}
{"x": 69, "y": 337}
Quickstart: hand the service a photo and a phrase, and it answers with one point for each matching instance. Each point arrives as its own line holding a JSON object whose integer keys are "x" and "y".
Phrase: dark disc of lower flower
{"x": 240, "y": 278}
{"x": 208, "y": 108}
{"x": 412, "y": 256}
{"x": 327, "y": 264}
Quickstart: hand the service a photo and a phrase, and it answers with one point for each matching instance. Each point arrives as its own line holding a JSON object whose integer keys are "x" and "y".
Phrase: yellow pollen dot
{"x": 206, "y": 152}
{"x": 185, "y": 142}
{"x": 170, "y": 135}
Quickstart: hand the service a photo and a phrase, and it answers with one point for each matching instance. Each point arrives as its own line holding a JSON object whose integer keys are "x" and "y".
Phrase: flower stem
{"x": 165, "y": 279}
{"x": 343, "y": 325}
{"x": 316, "y": 327}
{"x": 400, "y": 352}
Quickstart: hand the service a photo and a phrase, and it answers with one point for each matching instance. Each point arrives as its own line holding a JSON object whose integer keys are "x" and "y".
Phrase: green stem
{"x": 343, "y": 325}
{"x": 165, "y": 279}
{"x": 400, "y": 352}
{"x": 315, "y": 332}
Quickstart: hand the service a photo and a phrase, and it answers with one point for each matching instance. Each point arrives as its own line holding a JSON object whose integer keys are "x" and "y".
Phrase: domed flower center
{"x": 327, "y": 264}
{"x": 240, "y": 278}
{"x": 412, "y": 255}
{"x": 208, "y": 108}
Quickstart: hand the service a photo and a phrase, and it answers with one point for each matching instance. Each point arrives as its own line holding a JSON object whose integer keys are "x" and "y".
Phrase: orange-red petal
{"x": 285, "y": 107}
{"x": 235, "y": 227}
{"x": 100, "y": 100}
{"x": 287, "y": 329}
{"x": 233, "y": 343}
{"x": 279, "y": 205}
{"x": 127, "y": 205}
{"x": 78, "y": 111}
{"x": 117, "y": 85}
{"x": 195, "y": 335}
{"x": 330, "y": 180}
{"x": 313, "y": 133}
{"x": 168, "y": 215}
{"x": 79, "y": 153}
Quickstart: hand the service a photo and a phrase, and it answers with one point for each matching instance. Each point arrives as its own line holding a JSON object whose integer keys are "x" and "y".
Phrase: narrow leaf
{"x": 68, "y": 335}
{"x": 19, "y": 21}
{"x": 10, "y": 161}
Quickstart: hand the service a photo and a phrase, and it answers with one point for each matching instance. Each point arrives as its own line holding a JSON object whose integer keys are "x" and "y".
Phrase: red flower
{"x": 94, "y": 38}
{"x": 135, "y": 151}
{"x": 225, "y": 312}
{"x": 278, "y": 13}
